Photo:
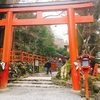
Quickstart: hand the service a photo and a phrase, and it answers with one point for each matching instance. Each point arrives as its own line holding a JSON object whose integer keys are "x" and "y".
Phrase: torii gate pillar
{"x": 73, "y": 48}
{"x": 6, "y": 49}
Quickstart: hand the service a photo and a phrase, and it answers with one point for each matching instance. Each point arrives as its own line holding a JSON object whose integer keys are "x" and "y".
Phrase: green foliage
{"x": 26, "y": 15}
{"x": 2, "y": 1}
{"x": 34, "y": 39}
{"x": 20, "y": 69}
{"x": 41, "y": 68}
{"x": 58, "y": 75}
{"x": 67, "y": 66}
{"x": 62, "y": 51}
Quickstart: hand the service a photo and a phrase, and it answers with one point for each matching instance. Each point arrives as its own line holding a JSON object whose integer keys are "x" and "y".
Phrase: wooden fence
{"x": 21, "y": 56}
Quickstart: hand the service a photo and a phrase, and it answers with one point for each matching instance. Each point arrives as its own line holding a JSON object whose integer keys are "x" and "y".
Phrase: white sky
{"x": 60, "y": 31}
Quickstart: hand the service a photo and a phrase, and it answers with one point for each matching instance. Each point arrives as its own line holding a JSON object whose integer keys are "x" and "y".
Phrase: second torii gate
{"x": 71, "y": 19}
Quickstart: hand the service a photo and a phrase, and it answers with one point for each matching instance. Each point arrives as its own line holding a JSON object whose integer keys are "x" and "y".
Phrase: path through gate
{"x": 71, "y": 19}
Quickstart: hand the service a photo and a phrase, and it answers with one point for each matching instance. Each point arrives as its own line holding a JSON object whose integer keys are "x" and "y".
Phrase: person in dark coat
{"x": 48, "y": 67}
{"x": 63, "y": 61}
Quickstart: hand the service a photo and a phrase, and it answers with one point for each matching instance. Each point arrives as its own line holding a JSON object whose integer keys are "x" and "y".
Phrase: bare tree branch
{"x": 79, "y": 33}
{"x": 91, "y": 52}
{"x": 58, "y": 14}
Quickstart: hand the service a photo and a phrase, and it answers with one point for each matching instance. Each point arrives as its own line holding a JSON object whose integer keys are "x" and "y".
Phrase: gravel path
{"x": 35, "y": 93}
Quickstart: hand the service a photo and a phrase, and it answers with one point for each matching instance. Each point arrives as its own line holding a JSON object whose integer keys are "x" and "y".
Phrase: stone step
{"x": 44, "y": 82}
{"x": 34, "y": 82}
{"x": 36, "y": 78}
{"x": 34, "y": 85}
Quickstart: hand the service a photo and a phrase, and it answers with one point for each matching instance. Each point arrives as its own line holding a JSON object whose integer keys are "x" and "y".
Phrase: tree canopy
{"x": 34, "y": 39}
{"x": 88, "y": 34}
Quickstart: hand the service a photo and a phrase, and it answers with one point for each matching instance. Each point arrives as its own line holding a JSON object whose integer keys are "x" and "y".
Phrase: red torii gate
{"x": 71, "y": 19}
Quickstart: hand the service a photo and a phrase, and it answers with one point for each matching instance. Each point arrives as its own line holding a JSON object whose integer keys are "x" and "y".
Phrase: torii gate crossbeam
{"x": 69, "y": 19}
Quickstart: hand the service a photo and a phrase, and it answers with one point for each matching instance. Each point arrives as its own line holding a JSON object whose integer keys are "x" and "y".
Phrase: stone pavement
{"x": 39, "y": 87}
{"x": 37, "y": 80}
{"x": 36, "y": 93}
{"x": 44, "y": 74}
{"x": 32, "y": 92}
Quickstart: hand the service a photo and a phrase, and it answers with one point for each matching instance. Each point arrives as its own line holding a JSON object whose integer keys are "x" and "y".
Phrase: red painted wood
{"x": 48, "y": 8}
{"x": 6, "y": 49}
{"x": 73, "y": 48}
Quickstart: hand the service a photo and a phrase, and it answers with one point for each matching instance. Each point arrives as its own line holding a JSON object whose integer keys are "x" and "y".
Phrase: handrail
{"x": 21, "y": 56}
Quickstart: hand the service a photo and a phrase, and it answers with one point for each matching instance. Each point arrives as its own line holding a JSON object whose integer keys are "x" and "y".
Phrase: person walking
{"x": 48, "y": 67}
